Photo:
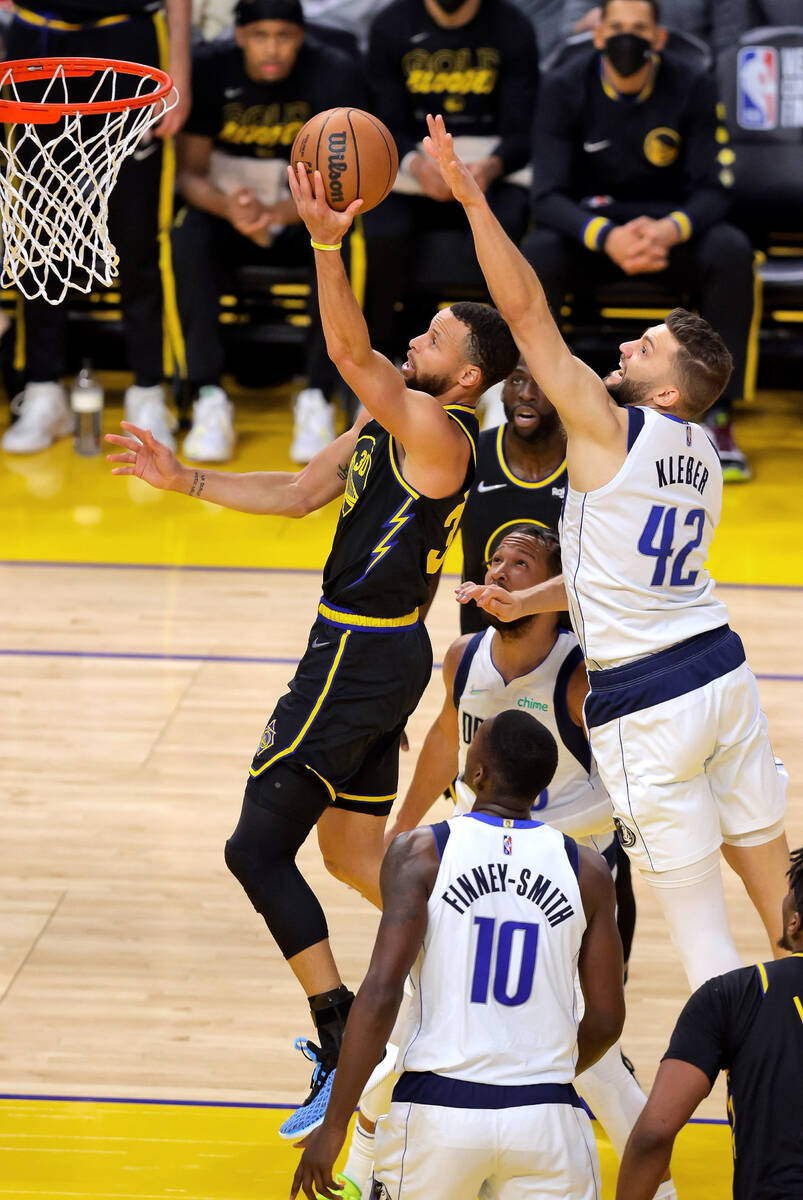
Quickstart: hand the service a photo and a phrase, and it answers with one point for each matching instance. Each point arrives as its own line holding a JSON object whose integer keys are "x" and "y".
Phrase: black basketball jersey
{"x": 750, "y": 1024}
{"x": 390, "y": 538}
{"x": 497, "y": 500}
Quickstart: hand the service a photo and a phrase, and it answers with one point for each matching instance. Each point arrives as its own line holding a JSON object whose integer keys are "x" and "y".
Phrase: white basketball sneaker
{"x": 212, "y": 436}
{"x": 43, "y": 415}
{"x": 313, "y": 426}
{"x": 146, "y": 407}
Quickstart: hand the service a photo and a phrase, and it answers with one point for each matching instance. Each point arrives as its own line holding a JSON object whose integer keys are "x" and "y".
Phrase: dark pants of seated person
{"x": 391, "y": 235}
{"x": 716, "y": 268}
{"x": 207, "y": 252}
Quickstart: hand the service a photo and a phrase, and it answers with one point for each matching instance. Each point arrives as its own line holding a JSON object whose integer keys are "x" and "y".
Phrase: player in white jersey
{"x": 492, "y": 914}
{"x": 533, "y": 665}
{"x": 674, "y": 716}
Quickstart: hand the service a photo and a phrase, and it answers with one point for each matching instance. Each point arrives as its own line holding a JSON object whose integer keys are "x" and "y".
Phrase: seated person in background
{"x": 717, "y": 22}
{"x": 250, "y": 98}
{"x": 520, "y": 479}
{"x": 749, "y": 1023}
{"x": 629, "y": 163}
{"x": 477, "y": 61}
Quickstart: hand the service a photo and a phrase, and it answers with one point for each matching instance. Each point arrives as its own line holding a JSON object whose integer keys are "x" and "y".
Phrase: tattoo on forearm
{"x": 342, "y": 472}
{"x": 198, "y": 483}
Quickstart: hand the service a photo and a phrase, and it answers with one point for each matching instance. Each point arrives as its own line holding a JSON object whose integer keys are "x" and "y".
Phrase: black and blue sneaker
{"x": 310, "y": 1114}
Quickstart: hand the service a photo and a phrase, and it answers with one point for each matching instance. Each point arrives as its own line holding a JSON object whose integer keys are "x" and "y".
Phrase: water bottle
{"x": 86, "y": 399}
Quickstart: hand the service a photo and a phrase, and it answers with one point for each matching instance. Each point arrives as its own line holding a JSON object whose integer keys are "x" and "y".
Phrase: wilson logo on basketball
{"x": 336, "y": 164}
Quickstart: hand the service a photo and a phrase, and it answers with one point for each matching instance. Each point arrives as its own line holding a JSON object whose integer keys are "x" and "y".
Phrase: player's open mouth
{"x": 524, "y": 416}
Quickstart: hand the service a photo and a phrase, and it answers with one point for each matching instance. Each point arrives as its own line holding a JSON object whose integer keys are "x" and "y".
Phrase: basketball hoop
{"x": 70, "y": 124}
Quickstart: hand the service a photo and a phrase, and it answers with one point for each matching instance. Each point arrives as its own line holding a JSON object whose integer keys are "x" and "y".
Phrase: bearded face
{"x": 624, "y": 391}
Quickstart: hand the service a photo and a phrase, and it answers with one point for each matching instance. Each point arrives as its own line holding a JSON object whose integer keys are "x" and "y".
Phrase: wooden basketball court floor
{"x": 146, "y": 1021}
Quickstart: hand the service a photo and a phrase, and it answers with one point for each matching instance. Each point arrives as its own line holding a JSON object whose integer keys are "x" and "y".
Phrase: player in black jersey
{"x": 520, "y": 479}
{"x": 329, "y": 753}
{"x": 749, "y": 1023}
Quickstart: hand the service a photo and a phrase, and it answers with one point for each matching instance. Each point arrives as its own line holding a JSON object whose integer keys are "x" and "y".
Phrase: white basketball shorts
{"x": 537, "y": 1152}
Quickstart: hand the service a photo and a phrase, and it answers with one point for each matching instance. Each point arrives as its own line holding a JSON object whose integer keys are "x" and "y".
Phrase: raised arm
{"x": 549, "y": 596}
{"x": 579, "y": 395}
{"x": 437, "y": 762}
{"x": 408, "y": 872}
{"x": 601, "y": 965}
{"x": 437, "y": 452}
{"x": 264, "y": 493}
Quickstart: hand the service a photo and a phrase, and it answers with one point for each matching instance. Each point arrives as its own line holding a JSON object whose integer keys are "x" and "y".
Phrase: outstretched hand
{"x": 454, "y": 172}
{"x": 314, "y": 1173}
{"x": 325, "y": 224}
{"x": 145, "y": 457}
{"x": 495, "y": 600}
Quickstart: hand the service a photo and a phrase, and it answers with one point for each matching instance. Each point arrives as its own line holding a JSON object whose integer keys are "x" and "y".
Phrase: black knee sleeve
{"x": 262, "y": 850}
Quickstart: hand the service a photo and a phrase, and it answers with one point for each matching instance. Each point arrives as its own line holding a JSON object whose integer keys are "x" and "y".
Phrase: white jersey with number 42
{"x": 494, "y": 998}
{"x": 634, "y": 551}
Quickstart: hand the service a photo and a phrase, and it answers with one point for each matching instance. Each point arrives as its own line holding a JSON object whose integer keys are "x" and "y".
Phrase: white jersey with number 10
{"x": 494, "y": 998}
{"x": 634, "y": 551}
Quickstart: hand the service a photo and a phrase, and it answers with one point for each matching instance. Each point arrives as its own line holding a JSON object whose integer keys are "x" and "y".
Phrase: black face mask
{"x": 627, "y": 53}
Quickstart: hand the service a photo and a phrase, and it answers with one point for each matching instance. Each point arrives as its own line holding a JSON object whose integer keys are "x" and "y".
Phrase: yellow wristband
{"x": 320, "y": 245}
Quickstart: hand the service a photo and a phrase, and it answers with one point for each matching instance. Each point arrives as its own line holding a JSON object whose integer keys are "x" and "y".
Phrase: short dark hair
{"x": 703, "y": 361}
{"x": 539, "y": 533}
{"x": 795, "y": 874}
{"x": 654, "y": 5}
{"x": 523, "y": 754}
{"x": 489, "y": 344}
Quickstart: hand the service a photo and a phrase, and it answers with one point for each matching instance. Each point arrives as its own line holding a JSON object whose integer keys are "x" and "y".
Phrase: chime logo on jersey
{"x": 268, "y": 737}
{"x": 359, "y": 467}
{"x": 507, "y": 844}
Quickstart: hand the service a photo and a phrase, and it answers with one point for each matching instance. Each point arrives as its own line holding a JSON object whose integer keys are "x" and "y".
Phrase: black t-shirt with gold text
{"x": 482, "y": 77}
{"x": 260, "y": 120}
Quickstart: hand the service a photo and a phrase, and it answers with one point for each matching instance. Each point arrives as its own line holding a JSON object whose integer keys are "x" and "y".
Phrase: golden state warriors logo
{"x": 268, "y": 737}
{"x": 359, "y": 467}
{"x": 662, "y": 146}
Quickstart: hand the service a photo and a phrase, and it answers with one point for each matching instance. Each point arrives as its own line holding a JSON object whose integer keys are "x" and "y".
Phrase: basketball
{"x": 354, "y": 152}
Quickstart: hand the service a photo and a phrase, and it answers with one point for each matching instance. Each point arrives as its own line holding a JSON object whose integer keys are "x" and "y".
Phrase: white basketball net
{"x": 56, "y": 180}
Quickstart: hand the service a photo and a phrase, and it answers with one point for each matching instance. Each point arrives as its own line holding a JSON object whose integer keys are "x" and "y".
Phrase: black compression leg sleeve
{"x": 279, "y": 809}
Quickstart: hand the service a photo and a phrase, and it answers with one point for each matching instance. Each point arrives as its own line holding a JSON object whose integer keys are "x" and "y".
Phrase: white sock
{"x": 359, "y": 1166}
{"x": 693, "y": 904}
{"x": 667, "y": 1191}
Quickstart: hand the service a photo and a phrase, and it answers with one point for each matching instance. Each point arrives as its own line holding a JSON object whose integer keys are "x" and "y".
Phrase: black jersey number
{"x": 451, "y": 525}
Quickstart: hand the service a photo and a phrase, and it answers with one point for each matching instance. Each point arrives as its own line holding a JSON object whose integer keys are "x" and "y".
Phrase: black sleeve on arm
{"x": 388, "y": 94}
{"x": 518, "y": 86}
{"x": 715, "y": 1021}
{"x": 557, "y": 137}
{"x": 707, "y": 200}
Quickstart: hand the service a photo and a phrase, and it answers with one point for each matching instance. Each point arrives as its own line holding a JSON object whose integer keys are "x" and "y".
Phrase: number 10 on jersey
{"x": 493, "y": 958}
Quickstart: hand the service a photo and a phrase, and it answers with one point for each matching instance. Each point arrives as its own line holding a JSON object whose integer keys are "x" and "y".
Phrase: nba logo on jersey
{"x": 507, "y": 844}
{"x": 757, "y": 88}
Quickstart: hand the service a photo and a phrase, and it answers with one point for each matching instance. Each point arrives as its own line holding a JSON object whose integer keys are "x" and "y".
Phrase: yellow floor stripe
{"x": 111, "y": 1151}
{"x": 55, "y": 505}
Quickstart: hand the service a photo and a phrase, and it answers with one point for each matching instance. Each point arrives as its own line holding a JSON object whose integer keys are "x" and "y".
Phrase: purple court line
{"x": 220, "y": 1104}
{"x": 133, "y": 654}
{"x": 111, "y": 566}
{"x": 268, "y": 660}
